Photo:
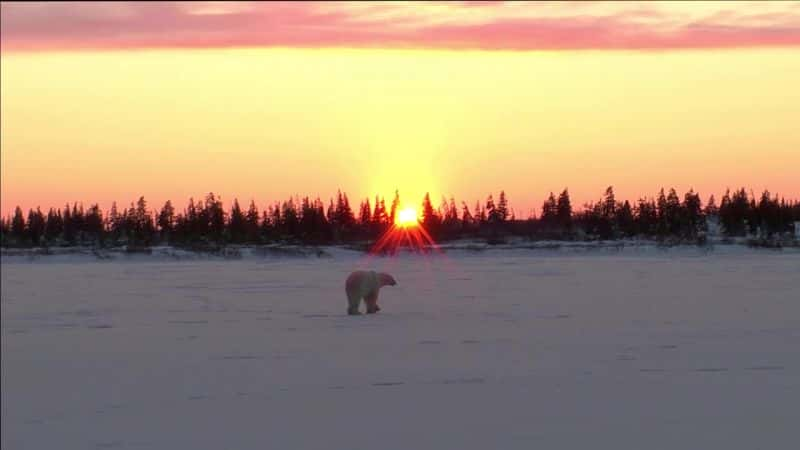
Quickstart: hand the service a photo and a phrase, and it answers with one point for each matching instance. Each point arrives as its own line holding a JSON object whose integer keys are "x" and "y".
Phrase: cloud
{"x": 434, "y": 25}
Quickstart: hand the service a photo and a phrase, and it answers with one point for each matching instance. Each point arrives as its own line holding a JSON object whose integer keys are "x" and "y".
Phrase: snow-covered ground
{"x": 678, "y": 349}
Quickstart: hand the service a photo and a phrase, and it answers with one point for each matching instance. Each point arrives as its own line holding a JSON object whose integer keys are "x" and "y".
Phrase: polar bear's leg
{"x": 372, "y": 302}
{"x": 353, "y": 302}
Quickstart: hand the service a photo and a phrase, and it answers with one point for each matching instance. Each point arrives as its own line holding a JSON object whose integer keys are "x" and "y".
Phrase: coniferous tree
{"x": 491, "y": 210}
{"x": 768, "y": 213}
{"x": 467, "y": 221}
{"x": 734, "y": 212}
{"x": 251, "y": 223}
{"x": 693, "y": 221}
{"x": 646, "y": 217}
{"x": 54, "y": 226}
{"x": 480, "y": 214}
{"x": 380, "y": 218}
{"x": 502, "y": 207}
{"x": 236, "y": 224}
{"x": 93, "y": 225}
{"x": 348, "y": 219}
{"x": 365, "y": 214}
{"x": 663, "y": 216}
{"x": 564, "y": 211}
{"x": 609, "y": 204}
{"x": 711, "y": 207}
{"x": 673, "y": 211}
{"x": 115, "y": 224}
{"x": 69, "y": 226}
{"x": 289, "y": 218}
{"x": 270, "y": 217}
{"x": 78, "y": 221}
{"x": 451, "y": 225}
{"x": 625, "y": 220}
{"x": 395, "y": 205}
{"x": 308, "y": 222}
{"x": 549, "y": 216}
{"x": 140, "y": 224}
{"x": 215, "y": 217}
{"x": 35, "y": 227}
{"x": 5, "y": 231}
{"x": 331, "y": 214}
{"x": 430, "y": 219}
{"x": 194, "y": 228}
{"x": 166, "y": 220}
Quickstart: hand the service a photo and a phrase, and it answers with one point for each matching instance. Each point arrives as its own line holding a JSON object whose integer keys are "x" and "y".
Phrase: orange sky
{"x": 474, "y": 100}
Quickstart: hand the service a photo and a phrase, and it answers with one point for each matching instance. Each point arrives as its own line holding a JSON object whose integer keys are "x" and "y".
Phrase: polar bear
{"x": 365, "y": 284}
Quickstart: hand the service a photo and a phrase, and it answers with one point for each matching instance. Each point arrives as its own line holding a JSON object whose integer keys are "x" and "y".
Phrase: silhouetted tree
{"x": 430, "y": 219}
{"x": 646, "y": 217}
{"x": 693, "y": 220}
{"x": 251, "y": 223}
{"x": 93, "y": 224}
{"x": 236, "y": 224}
{"x": 734, "y": 212}
{"x": 35, "y": 227}
{"x": 673, "y": 212}
{"x": 69, "y": 226}
{"x": 549, "y": 216}
{"x": 116, "y": 224}
{"x": 215, "y": 217}
{"x": 711, "y": 207}
{"x": 663, "y": 215}
{"x": 54, "y": 226}
{"x": 166, "y": 220}
{"x": 564, "y": 211}
{"x": 451, "y": 225}
{"x": 480, "y": 214}
{"x": 140, "y": 225}
{"x": 290, "y": 221}
{"x": 768, "y": 214}
{"x": 5, "y": 231}
{"x": 502, "y": 207}
{"x": 380, "y": 218}
{"x": 625, "y": 220}
{"x": 395, "y": 205}
{"x": 467, "y": 221}
{"x": 365, "y": 214}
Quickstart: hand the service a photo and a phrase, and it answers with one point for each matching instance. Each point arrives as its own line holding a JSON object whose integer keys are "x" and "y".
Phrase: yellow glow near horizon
{"x": 407, "y": 217}
{"x": 266, "y": 124}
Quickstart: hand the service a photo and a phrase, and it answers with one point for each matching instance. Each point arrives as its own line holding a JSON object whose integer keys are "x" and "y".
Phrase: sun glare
{"x": 406, "y": 217}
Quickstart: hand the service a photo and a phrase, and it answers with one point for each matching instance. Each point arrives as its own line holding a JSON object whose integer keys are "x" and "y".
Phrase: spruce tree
{"x": 236, "y": 224}
{"x": 94, "y": 224}
{"x": 564, "y": 211}
{"x": 549, "y": 212}
{"x": 395, "y": 205}
{"x": 365, "y": 214}
{"x": 491, "y": 210}
{"x": 251, "y": 223}
{"x": 502, "y": 207}
{"x": 35, "y": 228}
{"x": 166, "y": 220}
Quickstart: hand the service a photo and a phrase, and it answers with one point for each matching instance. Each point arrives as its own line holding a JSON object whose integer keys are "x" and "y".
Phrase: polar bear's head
{"x": 384, "y": 279}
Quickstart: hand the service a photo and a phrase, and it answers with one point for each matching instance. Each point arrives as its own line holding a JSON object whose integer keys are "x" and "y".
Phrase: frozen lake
{"x": 669, "y": 350}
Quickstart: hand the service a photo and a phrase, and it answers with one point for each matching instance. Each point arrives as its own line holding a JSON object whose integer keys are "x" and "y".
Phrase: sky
{"x": 108, "y": 102}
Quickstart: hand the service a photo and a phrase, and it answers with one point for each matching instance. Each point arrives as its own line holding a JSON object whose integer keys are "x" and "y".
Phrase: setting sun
{"x": 407, "y": 217}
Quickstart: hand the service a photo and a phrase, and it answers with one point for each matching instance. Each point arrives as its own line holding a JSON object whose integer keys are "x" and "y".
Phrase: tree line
{"x": 310, "y": 221}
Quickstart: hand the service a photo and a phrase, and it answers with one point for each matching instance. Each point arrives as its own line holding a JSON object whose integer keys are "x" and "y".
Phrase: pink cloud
{"x": 459, "y": 25}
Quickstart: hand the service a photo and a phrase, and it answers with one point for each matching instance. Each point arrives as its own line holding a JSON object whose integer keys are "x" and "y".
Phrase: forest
{"x": 666, "y": 218}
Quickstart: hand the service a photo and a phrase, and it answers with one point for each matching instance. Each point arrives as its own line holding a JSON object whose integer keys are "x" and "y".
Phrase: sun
{"x": 406, "y": 217}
